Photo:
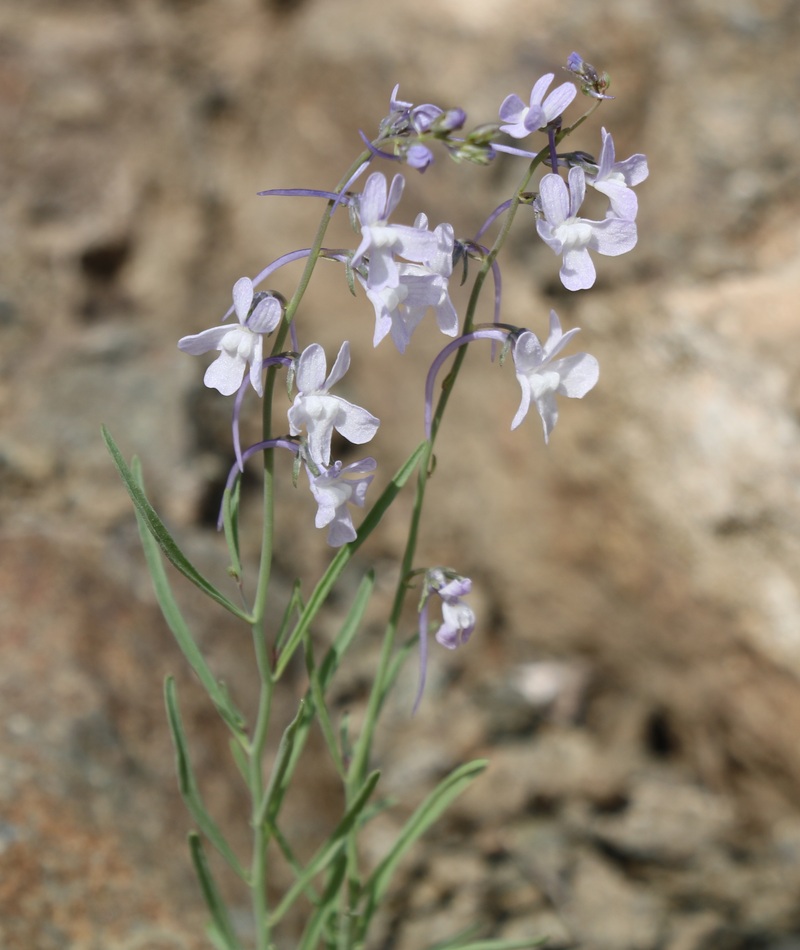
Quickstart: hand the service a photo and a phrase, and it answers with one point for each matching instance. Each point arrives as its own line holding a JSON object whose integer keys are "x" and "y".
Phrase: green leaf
{"x": 326, "y": 908}
{"x": 343, "y": 555}
{"x": 241, "y": 760}
{"x": 222, "y": 934}
{"x": 425, "y": 815}
{"x": 321, "y": 711}
{"x": 188, "y": 786}
{"x": 327, "y": 670}
{"x": 162, "y": 536}
{"x": 268, "y": 808}
{"x": 294, "y": 606}
{"x": 320, "y": 678}
{"x": 348, "y": 630}
{"x": 180, "y": 630}
{"x": 230, "y": 522}
{"x": 330, "y": 849}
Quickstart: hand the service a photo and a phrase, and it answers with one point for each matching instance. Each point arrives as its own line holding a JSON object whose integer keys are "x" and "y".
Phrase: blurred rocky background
{"x": 635, "y": 675}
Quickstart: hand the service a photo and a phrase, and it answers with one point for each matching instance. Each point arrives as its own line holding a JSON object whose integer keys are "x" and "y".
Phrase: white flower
{"x": 399, "y": 308}
{"x": 540, "y": 378}
{"x": 562, "y": 230}
{"x": 319, "y": 412}
{"x": 238, "y": 345}
{"x": 615, "y": 179}
{"x": 380, "y": 241}
{"x": 333, "y": 490}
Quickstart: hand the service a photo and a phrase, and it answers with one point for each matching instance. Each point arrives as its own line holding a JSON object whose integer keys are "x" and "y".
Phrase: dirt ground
{"x": 635, "y": 675}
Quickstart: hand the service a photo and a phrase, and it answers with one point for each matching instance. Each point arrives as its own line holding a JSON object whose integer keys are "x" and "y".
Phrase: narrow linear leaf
{"x": 218, "y": 942}
{"x": 180, "y": 629}
{"x": 267, "y": 809}
{"x": 163, "y": 538}
{"x": 321, "y": 710}
{"x": 291, "y": 859}
{"x": 425, "y": 815}
{"x": 325, "y": 909}
{"x": 188, "y": 786}
{"x": 240, "y": 759}
{"x": 330, "y": 849}
{"x": 347, "y": 632}
{"x": 327, "y": 671}
{"x": 294, "y": 606}
{"x": 343, "y": 555}
{"x": 230, "y": 523}
{"x": 213, "y": 898}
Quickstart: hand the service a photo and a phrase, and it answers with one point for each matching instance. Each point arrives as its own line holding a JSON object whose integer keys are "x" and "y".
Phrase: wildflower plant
{"x": 405, "y": 272}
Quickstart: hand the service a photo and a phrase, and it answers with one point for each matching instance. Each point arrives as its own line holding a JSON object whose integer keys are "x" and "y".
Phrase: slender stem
{"x": 261, "y": 832}
{"x": 258, "y": 870}
{"x": 269, "y": 385}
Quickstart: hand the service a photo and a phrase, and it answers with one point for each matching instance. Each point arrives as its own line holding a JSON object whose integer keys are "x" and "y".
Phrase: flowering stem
{"x": 291, "y": 308}
{"x": 258, "y": 870}
{"x": 259, "y": 633}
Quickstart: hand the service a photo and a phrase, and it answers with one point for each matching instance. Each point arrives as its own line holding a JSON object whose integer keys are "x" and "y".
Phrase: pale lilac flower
{"x": 404, "y": 116}
{"x": 565, "y": 233}
{"x": 615, "y": 179}
{"x": 380, "y": 241}
{"x": 417, "y": 156}
{"x": 316, "y": 410}
{"x": 399, "y": 309}
{"x": 458, "y": 619}
{"x": 238, "y": 345}
{"x": 521, "y": 120}
{"x": 541, "y": 378}
{"x": 336, "y": 488}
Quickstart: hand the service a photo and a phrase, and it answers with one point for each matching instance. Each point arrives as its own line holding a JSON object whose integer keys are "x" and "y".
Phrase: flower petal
{"x": 200, "y": 343}
{"x": 554, "y": 198}
{"x": 558, "y": 100}
{"x": 613, "y": 237}
{"x": 355, "y": 423}
{"x": 225, "y": 373}
{"x": 242, "y": 297}
{"x": 579, "y": 374}
{"x": 311, "y": 368}
{"x": 577, "y": 269}
{"x": 340, "y": 367}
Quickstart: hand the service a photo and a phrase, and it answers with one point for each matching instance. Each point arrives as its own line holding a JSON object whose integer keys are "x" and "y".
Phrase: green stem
{"x": 258, "y": 871}
{"x": 265, "y": 566}
{"x": 261, "y": 831}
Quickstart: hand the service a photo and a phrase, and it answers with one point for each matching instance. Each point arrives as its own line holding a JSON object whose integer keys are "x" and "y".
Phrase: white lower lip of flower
{"x": 543, "y": 383}
{"x": 573, "y": 233}
{"x": 340, "y": 493}
{"x": 381, "y": 237}
{"x": 394, "y": 296}
{"x": 239, "y": 342}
